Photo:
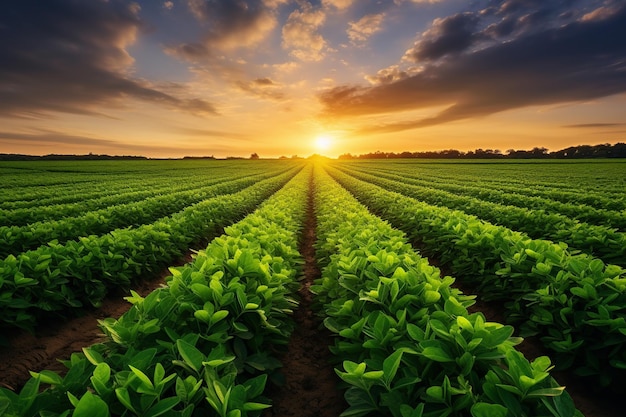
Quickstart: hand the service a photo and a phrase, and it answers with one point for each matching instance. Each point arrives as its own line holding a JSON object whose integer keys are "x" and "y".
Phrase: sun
{"x": 323, "y": 142}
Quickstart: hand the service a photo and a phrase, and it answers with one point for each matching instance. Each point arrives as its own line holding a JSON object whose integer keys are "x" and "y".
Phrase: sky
{"x": 295, "y": 77}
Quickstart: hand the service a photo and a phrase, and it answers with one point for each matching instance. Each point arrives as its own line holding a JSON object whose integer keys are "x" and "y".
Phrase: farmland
{"x": 423, "y": 276}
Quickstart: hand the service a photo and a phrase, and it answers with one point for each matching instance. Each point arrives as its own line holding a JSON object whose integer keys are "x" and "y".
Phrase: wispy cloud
{"x": 338, "y": 4}
{"x": 301, "y": 36}
{"x": 594, "y": 125}
{"x": 264, "y": 88}
{"x": 211, "y": 133}
{"x": 362, "y": 29}
{"x": 52, "y": 137}
{"x": 48, "y": 141}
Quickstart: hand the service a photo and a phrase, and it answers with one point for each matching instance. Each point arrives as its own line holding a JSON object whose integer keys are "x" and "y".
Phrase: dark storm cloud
{"x": 581, "y": 60}
{"x": 70, "y": 56}
{"x": 447, "y": 36}
{"x": 523, "y": 16}
{"x": 496, "y": 23}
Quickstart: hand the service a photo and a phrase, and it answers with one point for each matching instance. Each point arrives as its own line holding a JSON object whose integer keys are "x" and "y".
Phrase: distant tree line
{"x": 91, "y": 157}
{"x": 605, "y": 150}
{"x": 57, "y": 157}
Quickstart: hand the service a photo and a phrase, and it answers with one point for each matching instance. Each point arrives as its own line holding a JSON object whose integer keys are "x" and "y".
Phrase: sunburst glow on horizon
{"x": 323, "y": 143}
{"x": 197, "y": 78}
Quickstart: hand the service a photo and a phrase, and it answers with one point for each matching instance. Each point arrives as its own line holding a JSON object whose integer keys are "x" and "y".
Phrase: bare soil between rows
{"x": 57, "y": 339}
{"x": 310, "y": 381}
{"x": 310, "y": 387}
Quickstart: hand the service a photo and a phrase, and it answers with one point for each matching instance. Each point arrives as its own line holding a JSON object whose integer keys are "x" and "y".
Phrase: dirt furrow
{"x": 58, "y": 338}
{"x": 310, "y": 387}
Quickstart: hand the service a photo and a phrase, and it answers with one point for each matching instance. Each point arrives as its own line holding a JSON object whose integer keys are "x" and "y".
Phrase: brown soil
{"x": 311, "y": 383}
{"x": 58, "y": 339}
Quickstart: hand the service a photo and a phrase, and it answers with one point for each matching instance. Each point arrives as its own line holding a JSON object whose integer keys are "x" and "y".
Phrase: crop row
{"x": 408, "y": 344}
{"x": 567, "y": 183}
{"x": 575, "y": 303}
{"x": 57, "y": 278}
{"x": 600, "y": 241}
{"x": 573, "y": 178}
{"x": 518, "y": 197}
{"x": 74, "y": 202}
{"x": 17, "y": 239}
{"x": 17, "y": 179}
{"x": 113, "y": 179}
{"x": 201, "y": 346}
{"x": 30, "y": 194}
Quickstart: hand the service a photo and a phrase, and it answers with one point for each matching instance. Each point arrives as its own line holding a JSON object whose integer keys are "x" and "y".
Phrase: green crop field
{"x": 544, "y": 240}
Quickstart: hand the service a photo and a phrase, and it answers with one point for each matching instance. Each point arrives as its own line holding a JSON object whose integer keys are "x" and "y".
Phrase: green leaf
{"x": 354, "y": 368}
{"x": 91, "y": 405}
{"x": 142, "y": 377}
{"x": 431, "y": 296}
{"x": 579, "y": 292}
{"x": 182, "y": 391}
{"x": 219, "y": 315}
{"x": 159, "y": 373}
{"x": 217, "y": 362}
{"x": 437, "y": 354}
{"x": 249, "y": 406}
{"x": 143, "y": 359}
{"x": 102, "y": 372}
{"x": 134, "y": 298}
{"x": 123, "y": 396}
{"x": 47, "y": 377}
{"x": 220, "y": 390}
{"x": 390, "y": 366}
{"x": 202, "y": 315}
{"x": 436, "y": 392}
{"x": 454, "y": 307}
{"x": 162, "y": 406}
{"x": 255, "y": 386}
{"x": 28, "y": 394}
{"x": 192, "y": 356}
{"x": 498, "y": 336}
{"x": 73, "y": 400}
{"x": 415, "y": 332}
{"x": 488, "y": 410}
{"x": 546, "y": 392}
{"x": 202, "y": 291}
{"x": 373, "y": 375}
{"x": 93, "y": 355}
{"x": 464, "y": 323}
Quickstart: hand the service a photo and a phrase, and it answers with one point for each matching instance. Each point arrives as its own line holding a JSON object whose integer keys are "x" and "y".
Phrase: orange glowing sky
{"x": 295, "y": 77}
